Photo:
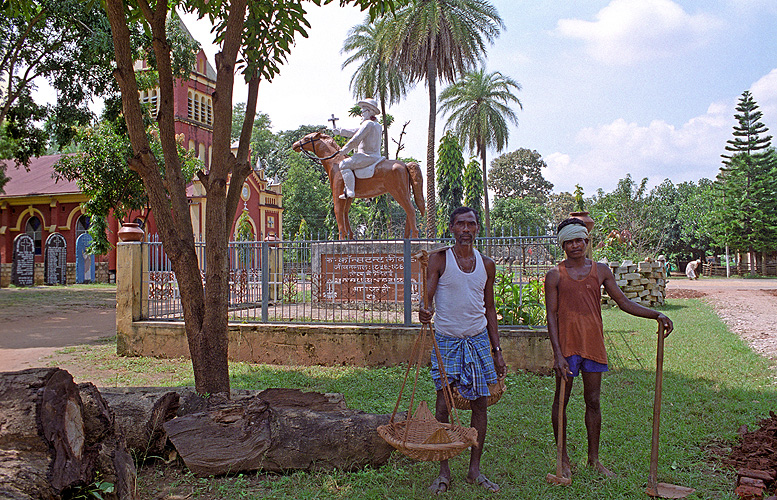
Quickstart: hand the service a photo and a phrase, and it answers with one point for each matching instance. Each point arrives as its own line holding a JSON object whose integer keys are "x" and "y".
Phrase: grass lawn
{"x": 713, "y": 384}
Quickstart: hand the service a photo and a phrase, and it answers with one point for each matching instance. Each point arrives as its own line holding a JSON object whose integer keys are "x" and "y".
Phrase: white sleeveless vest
{"x": 459, "y": 302}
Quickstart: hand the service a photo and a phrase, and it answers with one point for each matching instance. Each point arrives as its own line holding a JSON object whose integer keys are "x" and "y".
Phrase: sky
{"x": 609, "y": 87}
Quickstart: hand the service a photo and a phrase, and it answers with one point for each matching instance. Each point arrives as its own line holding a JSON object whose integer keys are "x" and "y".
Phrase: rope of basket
{"x": 421, "y": 436}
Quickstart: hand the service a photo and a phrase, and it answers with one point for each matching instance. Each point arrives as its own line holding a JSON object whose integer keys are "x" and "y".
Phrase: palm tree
{"x": 479, "y": 104}
{"x": 376, "y": 76}
{"x": 433, "y": 39}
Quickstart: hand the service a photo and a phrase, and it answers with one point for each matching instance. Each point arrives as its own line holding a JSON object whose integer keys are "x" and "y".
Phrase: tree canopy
{"x": 255, "y": 38}
{"x": 479, "y": 107}
{"x": 747, "y": 183}
{"x": 68, "y": 44}
{"x": 440, "y": 39}
{"x": 519, "y": 174}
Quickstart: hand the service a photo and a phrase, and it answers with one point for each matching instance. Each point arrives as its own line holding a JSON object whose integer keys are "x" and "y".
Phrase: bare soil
{"x": 747, "y": 306}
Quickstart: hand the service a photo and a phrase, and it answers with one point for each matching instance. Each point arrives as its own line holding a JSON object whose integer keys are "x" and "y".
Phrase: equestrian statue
{"x": 366, "y": 173}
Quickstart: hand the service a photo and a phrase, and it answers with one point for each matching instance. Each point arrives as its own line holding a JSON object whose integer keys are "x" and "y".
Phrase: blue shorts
{"x": 578, "y": 363}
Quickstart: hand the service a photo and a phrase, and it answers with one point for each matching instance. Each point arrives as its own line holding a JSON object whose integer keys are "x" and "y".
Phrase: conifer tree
{"x": 450, "y": 186}
{"x": 747, "y": 184}
{"x": 473, "y": 186}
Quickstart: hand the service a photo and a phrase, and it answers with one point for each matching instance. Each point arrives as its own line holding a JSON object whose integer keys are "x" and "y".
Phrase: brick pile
{"x": 752, "y": 484}
{"x": 643, "y": 282}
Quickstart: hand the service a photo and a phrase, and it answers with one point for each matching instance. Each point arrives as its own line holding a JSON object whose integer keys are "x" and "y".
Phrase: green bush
{"x": 519, "y": 303}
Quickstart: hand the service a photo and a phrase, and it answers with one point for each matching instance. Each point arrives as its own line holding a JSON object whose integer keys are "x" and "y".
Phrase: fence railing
{"x": 336, "y": 282}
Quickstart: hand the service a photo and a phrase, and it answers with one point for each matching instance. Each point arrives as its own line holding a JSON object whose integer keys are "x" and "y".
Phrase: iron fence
{"x": 336, "y": 282}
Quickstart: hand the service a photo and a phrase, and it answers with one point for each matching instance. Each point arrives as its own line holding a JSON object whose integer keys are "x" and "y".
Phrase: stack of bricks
{"x": 643, "y": 282}
{"x": 751, "y": 484}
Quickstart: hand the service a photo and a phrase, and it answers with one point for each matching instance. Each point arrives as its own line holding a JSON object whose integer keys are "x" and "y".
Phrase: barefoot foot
{"x": 486, "y": 483}
{"x": 601, "y": 469}
{"x": 440, "y": 485}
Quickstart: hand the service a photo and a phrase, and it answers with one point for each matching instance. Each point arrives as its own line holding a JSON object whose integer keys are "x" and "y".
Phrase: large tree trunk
{"x": 52, "y": 440}
{"x": 278, "y": 430}
{"x": 431, "y": 193}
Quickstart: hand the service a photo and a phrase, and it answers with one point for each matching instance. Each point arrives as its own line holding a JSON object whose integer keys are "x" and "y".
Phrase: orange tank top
{"x": 580, "y": 328}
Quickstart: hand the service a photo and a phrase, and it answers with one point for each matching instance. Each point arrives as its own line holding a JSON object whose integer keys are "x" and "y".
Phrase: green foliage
{"x": 97, "y": 490}
{"x": 450, "y": 188}
{"x": 66, "y": 42}
{"x": 513, "y": 216}
{"x": 519, "y": 303}
{"x": 519, "y": 174}
{"x": 377, "y": 75}
{"x": 747, "y": 182}
{"x": 632, "y": 209}
{"x": 268, "y": 150}
{"x": 559, "y": 206}
{"x": 303, "y": 233}
{"x": 440, "y": 39}
{"x": 479, "y": 107}
{"x": 473, "y": 186}
{"x": 579, "y": 202}
{"x": 306, "y": 196}
{"x": 102, "y": 173}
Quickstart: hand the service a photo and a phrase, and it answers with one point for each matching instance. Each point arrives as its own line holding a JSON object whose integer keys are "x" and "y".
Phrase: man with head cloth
{"x": 573, "y": 303}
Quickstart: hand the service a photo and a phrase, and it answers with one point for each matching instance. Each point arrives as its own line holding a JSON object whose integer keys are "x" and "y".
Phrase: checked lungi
{"x": 467, "y": 362}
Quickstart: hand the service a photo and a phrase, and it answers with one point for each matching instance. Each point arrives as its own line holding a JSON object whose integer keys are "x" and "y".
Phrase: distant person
{"x": 461, "y": 282}
{"x": 573, "y": 303}
{"x": 690, "y": 269}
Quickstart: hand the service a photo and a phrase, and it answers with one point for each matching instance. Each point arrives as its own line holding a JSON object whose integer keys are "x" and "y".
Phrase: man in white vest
{"x": 366, "y": 142}
{"x": 461, "y": 282}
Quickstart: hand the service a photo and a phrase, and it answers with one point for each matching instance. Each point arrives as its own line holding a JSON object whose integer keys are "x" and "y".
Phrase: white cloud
{"x": 657, "y": 151}
{"x": 629, "y": 31}
{"x": 765, "y": 94}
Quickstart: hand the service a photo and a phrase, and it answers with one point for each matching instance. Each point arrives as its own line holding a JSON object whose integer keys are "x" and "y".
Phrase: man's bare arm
{"x": 552, "y": 278}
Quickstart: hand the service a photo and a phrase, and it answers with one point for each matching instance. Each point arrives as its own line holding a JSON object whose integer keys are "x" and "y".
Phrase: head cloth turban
{"x": 571, "y": 232}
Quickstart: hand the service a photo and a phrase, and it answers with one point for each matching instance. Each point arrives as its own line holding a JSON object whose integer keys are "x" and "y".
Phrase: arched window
{"x": 34, "y": 230}
{"x": 190, "y": 113}
{"x": 210, "y": 112}
{"x": 196, "y": 108}
{"x": 82, "y": 225}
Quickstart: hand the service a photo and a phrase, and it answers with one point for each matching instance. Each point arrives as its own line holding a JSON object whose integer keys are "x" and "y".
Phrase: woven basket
{"x": 424, "y": 438}
{"x": 496, "y": 389}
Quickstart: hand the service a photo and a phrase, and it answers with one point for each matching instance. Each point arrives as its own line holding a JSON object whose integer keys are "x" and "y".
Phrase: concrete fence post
{"x": 131, "y": 287}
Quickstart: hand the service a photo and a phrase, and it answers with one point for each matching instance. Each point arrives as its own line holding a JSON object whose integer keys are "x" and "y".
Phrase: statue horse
{"x": 391, "y": 176}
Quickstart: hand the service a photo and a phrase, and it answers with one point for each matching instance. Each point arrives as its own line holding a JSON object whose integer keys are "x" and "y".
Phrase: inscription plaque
{"x": 23, "y": 266}
{"x": 365, "y": 277}
{"x": 55, "y": 260}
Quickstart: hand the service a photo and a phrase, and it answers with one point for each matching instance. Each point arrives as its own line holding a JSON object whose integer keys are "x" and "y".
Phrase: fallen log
{"x": 291, "y": 431}
{"x": 140, "y": 414}
{"x": 45, "y": 448}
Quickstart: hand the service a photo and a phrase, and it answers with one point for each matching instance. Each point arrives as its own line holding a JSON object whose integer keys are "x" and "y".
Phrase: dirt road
{"x": 36, "y": 322}
{"x": 747, "y": 306}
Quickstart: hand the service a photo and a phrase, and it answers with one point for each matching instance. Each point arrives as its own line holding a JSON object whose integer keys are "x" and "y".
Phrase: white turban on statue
{"x": 571, "y": 232}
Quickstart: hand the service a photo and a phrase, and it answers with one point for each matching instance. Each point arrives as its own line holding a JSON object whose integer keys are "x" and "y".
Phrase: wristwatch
{"x": 496, "y": 349}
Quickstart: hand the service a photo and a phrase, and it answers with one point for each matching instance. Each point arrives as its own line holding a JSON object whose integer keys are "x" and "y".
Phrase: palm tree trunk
{"x": 385, "y": 125}
{"x": 485, "y": 190}
{"x": 431, "y": 193}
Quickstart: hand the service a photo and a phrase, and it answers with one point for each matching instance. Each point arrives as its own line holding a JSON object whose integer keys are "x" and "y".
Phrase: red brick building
{"x": 35, "y": 204}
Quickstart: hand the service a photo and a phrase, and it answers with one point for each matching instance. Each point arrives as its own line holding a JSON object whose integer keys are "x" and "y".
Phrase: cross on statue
{"x": 334, "y": 121}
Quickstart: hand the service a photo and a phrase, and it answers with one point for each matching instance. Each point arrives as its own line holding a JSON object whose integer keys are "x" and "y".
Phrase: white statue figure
{"x": 366, "y": 141}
